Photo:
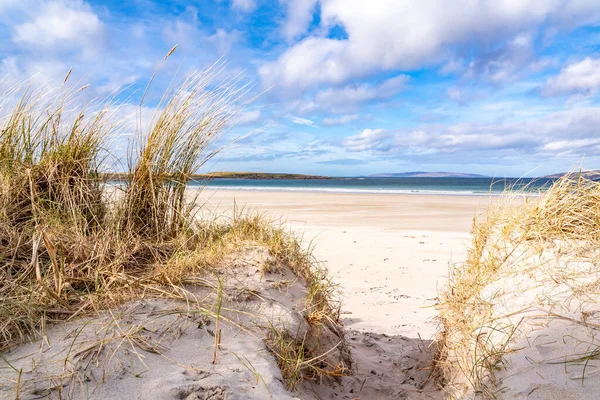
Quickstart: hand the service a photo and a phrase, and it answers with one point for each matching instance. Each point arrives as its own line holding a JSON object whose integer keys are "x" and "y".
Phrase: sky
{"x": 346, "y": 87}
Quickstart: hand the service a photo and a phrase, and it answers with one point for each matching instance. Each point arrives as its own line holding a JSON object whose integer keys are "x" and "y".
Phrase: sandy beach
{"x": 390, "y": 256}
{"x": 388, "y": 253}
{"x": 299, "y": 200}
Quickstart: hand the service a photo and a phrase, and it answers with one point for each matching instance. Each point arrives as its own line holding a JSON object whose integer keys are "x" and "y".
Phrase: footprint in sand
{"x": 201, "y": 392}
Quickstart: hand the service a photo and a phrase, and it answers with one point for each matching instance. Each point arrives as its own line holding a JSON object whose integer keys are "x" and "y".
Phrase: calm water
{"x": 456, "y": 186}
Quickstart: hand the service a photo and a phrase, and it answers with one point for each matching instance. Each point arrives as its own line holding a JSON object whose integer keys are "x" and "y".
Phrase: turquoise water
{"x": 451, "y": 186}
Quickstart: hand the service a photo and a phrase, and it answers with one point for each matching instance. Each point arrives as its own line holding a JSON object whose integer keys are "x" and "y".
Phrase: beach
{"x": 300, "y": 200}
{"x": 401, "y": 332}
{"x": 388, "y": 253}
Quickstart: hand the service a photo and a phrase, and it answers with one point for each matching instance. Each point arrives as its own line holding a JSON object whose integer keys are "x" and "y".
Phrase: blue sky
{"x": 348, "y": 87}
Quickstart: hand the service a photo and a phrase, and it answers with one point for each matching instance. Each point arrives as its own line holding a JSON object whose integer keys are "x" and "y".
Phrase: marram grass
{"x": 69, "y": 247}
{"x": 475, "y": 339}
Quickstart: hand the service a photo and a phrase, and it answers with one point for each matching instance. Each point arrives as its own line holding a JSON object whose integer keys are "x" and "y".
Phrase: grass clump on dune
{"x": 69, "y": 245}
{"x": 49, "y": 193}
{"x": 191, "y": 117}
{"x": 531, "y": 260}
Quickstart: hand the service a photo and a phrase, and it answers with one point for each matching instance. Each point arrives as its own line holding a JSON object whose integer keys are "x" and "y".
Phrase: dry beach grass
{"x": 70, "y": 249}
{"x": 519, "y": 317}
{"x": 97, "y": 280}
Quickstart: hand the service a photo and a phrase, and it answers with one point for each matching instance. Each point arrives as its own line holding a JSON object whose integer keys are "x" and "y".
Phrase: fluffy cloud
{"x": 404, "y": 34}
{"x": 61, "y": 26}
{"x": 581, "y": 78}
{"x": 244, "y": 5}
{"x": 571, "y": 132}
{"x": 44, "y": 39}
{"x": 368, "y": 140}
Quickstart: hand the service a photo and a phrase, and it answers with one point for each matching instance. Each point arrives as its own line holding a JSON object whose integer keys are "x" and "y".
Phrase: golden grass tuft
{"x": 192, "y": 116}
{"x": 474, "y": 340}
{"x": 70, "y": 245}
{"x": 67, "y": 247}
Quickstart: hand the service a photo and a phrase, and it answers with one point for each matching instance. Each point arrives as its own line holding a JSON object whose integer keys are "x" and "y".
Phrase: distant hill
{"x": 255, "y": 175}
{"x": 422, "y": 174}
{"x": 593, "y": 175}
{"x": 230, "y": 175}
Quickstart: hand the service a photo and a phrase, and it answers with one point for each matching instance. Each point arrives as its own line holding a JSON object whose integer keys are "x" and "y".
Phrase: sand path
{"x": 388, "y": 253}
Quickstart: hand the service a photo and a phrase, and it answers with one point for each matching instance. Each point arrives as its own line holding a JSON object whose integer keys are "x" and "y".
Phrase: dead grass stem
{"x": 68, "y": 247}
{"x": 474, "y": 341}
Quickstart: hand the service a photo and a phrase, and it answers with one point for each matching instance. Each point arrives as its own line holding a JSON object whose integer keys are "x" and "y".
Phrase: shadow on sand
{"x": 385, "y": 367}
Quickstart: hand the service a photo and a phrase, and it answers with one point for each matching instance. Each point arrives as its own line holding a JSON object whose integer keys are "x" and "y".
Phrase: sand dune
{"x": 389, "y": 254}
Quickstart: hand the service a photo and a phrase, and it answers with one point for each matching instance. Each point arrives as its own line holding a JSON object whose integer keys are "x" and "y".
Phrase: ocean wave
{"x": 407, "y": 191}
{"x": 356, "y": 190}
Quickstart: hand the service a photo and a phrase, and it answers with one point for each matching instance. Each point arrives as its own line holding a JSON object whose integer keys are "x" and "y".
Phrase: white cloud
{"x": 301, "y": 121}
{"x": 369, "y": 139}
{"x": 61, "y": 25}
{"x": 581, "y": 78}
{"x": 573, "y": 132}
{"x": 299, "y": 16}
{"x": 351, "y": 97}
{"x": 248, "y": 117}
{"x": 314, "y": 60}
{"x": 343, "y": 120}
{"x": 404, "y": 34}
{"x": 246, "y": 6}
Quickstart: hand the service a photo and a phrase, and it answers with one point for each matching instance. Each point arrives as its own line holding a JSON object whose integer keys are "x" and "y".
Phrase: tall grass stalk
{"x": 65, "y": 245}
{"x": 69, "y": 245}
{"x": 191, "y": 116}
{"x": 562, "y": 223}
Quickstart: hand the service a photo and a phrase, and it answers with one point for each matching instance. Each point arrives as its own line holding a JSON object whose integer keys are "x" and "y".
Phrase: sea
{"x": 405, "y": 185}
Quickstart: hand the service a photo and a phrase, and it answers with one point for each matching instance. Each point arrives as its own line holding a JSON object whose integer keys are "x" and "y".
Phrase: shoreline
{"x": 207, "y": 185}
{"x": 398, "y": 192}
{"x": 414, "y": 212}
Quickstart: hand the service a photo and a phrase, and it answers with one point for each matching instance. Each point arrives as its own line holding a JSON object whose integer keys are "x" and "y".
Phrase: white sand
{"x": 388, "y": 253}
{"x": 163, "y": 349}
{"x": 545, "y": 323}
